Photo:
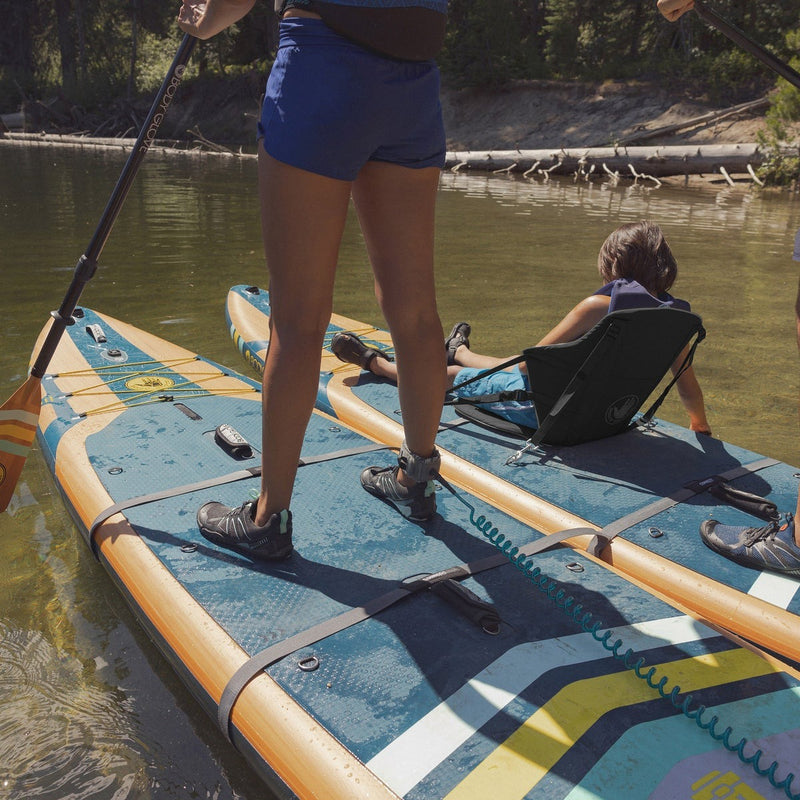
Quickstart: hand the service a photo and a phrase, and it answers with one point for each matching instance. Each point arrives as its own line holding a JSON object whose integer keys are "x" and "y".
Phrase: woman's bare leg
{"x": 396, "y": 209}
{"x": 302, "y": 216}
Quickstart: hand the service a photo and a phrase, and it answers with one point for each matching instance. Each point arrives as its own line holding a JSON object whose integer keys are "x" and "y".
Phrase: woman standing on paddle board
{"x": 351, "y": 110}
{"x": 775, "y": 546}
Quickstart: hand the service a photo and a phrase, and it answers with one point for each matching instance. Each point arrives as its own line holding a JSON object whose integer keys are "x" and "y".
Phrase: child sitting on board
{"x": 637, "y": 268}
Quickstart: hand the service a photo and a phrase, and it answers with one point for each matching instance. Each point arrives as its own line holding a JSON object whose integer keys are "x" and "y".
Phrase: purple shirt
{"x": 626, "y": 294}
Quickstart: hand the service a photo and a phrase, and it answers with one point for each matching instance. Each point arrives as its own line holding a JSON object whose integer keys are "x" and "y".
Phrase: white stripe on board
{"x": 419, "y": 750}
{"x": 776, "y": 589}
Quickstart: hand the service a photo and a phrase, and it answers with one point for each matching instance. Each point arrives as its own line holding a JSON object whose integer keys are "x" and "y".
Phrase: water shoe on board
{"x": 769, "y": 547}
{"x": 417, "y": 503}
{"x": 235, "y": 528}
{"x": 458, "y": 336}
{"x": 349, "y": 348}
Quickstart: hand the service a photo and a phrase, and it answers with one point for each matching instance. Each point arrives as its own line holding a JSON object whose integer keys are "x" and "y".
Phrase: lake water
{"x": 89, "y": 707}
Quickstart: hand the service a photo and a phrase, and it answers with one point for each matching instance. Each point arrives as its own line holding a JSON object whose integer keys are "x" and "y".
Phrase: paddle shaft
{"x": 744, "y": 41}
{"x": 87, "y": 263}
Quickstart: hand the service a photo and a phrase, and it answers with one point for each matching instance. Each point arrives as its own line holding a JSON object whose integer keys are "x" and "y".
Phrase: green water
{"x": 90, "y": 709}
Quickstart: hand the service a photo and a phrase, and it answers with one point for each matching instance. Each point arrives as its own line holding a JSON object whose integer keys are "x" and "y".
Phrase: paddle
{"x": 19, "y": 415}
{"x": 744, "y": 41}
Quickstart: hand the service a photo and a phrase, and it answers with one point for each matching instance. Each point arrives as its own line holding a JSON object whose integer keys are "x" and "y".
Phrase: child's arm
{"x": 692, "y": 397}
{"x": 581, "y": 319}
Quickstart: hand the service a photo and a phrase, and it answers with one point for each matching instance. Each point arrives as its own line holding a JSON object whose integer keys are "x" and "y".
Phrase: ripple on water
{"x": 60, "y": 737}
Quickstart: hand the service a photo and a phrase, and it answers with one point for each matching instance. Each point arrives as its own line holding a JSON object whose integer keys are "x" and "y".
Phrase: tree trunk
{"x": 626, "y": 161}
{"x": 66, "y": 45}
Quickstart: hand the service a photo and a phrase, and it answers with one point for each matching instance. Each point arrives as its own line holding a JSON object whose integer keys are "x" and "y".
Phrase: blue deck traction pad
{"x": 231, "y": 477}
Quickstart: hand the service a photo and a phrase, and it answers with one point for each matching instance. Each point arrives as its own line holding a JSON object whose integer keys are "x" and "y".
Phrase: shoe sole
{"x": 253, "y": 555}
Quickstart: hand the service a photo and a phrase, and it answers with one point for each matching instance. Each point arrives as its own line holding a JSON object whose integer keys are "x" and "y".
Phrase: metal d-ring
{"x": 308, "y": 663}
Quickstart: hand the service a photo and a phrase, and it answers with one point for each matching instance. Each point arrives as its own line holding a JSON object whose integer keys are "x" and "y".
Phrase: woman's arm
{"x": 672, "y": 9}
{"x": 206, "y": 18}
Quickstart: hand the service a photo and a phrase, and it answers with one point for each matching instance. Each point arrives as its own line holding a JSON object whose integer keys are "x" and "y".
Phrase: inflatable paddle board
{"x": 647, "y": 486}
{"x": 384, "y": 659}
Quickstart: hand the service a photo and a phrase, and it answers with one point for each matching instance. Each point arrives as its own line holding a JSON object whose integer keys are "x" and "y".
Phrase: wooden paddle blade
{"x": 19, "y": 416}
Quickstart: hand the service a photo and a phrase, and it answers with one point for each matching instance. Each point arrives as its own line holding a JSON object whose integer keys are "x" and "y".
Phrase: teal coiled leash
{"x": 628, "y": 659}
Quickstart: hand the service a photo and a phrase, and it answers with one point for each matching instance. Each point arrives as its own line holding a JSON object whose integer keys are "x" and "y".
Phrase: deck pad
{"x": 417, "y": 701}
{"x": 596, "y": 483}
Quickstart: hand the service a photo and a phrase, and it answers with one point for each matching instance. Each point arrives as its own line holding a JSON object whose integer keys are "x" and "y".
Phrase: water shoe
{"x": 458, "y": 336}
{"x": 235, "y": 528}
{"x": 349, "y": 348}
{"x": 769, "y": 547}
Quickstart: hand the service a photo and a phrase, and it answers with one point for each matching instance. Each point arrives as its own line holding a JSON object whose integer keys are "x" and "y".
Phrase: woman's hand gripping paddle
{"x": 19, "y": 415}
{"x": 745, "y": 42}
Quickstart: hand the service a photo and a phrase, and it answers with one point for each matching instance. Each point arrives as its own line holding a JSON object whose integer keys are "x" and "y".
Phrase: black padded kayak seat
{"x": 592, "y": 388}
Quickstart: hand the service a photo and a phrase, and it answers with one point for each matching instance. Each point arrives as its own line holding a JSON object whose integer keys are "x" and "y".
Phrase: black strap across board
{"x": 259, "y": 662}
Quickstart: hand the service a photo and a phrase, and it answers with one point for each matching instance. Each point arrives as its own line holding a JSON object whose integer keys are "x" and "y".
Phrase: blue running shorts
{"x": 503, "y": 381}
{"x": 331, "y": 105}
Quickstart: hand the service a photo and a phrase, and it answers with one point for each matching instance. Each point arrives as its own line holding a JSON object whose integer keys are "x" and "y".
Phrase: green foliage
{"x": 491, "y": 42}
{"x": 782, "y": 163}
{"x": 617, "y": 39}
{"x": 92, "y": 52}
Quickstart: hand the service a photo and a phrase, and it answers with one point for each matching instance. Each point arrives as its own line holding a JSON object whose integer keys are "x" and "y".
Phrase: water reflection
{"x": 105, "y": 715}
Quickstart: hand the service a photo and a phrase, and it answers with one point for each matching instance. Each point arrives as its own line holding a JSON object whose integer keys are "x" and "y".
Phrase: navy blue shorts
{"x": 331, "y": 105}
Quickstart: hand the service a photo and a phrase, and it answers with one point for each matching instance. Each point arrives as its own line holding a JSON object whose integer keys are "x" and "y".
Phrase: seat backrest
{"x": 592, "y": 387}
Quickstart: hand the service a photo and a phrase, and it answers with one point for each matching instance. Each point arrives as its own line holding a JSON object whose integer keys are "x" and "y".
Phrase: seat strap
{"x": 648, "y": 415}
{"x": 593, "y": 361}
{"x": 485, "y": 373}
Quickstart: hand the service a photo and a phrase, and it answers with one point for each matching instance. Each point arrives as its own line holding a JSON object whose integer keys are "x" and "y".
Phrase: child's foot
{"x": 349, "y": 348}
{"x": 770, "y": 547}
{"x": 235, "y": 528}
{"x": 458, "y": 336}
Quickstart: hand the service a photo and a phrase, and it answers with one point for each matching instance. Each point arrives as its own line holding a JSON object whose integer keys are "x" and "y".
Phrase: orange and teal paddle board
{"x": 385, "y": 659}
{"x": 646, "y": 485}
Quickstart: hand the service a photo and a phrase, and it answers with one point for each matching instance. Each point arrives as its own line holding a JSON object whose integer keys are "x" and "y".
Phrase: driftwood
{"x": 653, "y": 162}
{"x": 162, "y": 146}
{"x": 638, "y": 163}
{"x": 704, "y": 120}
{"x": 197, "y": 136}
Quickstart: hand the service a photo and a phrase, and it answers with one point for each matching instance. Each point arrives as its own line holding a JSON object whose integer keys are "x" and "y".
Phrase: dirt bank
{"x": 525, "y": 115}
{"x": 533, "y": 115}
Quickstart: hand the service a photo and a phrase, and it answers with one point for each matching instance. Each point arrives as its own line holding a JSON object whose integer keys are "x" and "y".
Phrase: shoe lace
{"x": 754, "y": 535}
{"x": 768, "y": 531}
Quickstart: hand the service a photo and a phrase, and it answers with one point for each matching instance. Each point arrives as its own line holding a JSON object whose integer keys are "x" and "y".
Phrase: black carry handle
{"x": 744, "y": 41}
{"x": 87, "y": 263}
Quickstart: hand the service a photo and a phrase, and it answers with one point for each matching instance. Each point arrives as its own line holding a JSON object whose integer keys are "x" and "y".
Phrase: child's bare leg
{"x": 464, "y": 357}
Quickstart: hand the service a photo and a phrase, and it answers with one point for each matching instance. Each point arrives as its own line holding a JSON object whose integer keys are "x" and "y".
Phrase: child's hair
{"x": 639, "y": 252}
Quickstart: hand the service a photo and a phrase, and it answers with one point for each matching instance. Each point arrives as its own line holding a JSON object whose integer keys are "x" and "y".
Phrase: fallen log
{"x": 162, "y": 146}
{"x": 686, "y": 159}
{"x": 637, "y": 162}
{"x": 704, "y": 120}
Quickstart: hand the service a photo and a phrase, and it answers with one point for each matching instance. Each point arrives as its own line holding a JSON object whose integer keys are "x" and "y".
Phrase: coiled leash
{"x": 637, "y": 664}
